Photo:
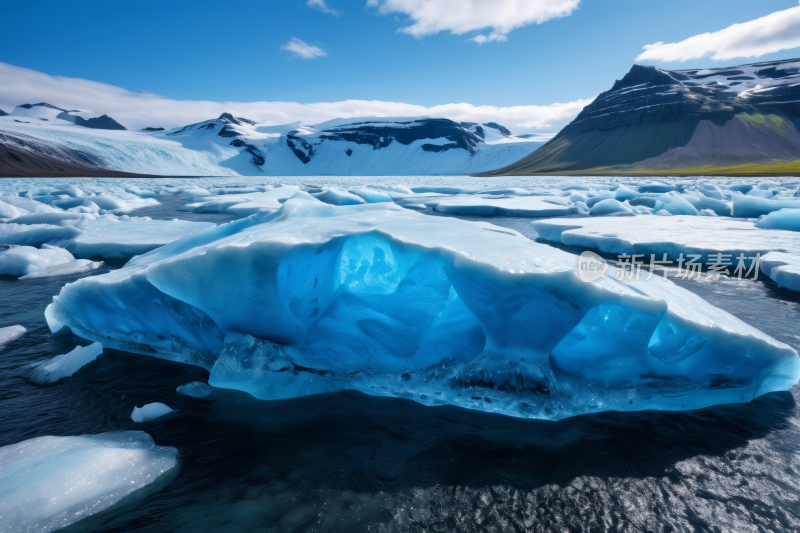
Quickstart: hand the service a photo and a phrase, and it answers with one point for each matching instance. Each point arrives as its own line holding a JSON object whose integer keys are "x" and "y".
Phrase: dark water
{"x": 350, "y": 462}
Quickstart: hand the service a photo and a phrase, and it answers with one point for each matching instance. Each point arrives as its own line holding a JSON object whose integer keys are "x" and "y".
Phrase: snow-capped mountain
{"x": 228, "y": 145}
{"x": 46, "y": 112}
{"x": 733, "y": 120}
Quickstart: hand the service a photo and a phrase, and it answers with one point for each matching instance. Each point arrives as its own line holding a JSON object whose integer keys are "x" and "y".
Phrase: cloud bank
{"x": 461, "y": 16}
{"x": 773, "y": 33}
{"x": 140, "y": 110}
{"x": 303, "y": 50}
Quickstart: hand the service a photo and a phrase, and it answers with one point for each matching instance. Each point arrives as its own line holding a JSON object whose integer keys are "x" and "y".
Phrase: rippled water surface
{"x": 350, "y": 462}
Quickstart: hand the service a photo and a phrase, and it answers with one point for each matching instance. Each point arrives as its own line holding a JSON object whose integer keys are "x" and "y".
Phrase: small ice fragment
{"x": 150, "y": 411}
{"x": 64, "y": 365}
{"x": 10, "y": 334}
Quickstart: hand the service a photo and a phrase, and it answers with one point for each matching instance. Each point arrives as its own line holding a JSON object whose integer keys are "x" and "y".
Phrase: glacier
{"x": 48, "y": 483}
{"x": 315, "y": 298}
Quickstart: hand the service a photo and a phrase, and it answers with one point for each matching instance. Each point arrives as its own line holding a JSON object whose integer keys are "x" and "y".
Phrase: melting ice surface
{"x": 317, "y": 298}
{"x": 47, "y": 483}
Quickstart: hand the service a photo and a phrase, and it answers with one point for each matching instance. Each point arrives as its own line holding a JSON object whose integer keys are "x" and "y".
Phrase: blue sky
{"x": 236, "y": 51}
{"x": 231, "y": 50}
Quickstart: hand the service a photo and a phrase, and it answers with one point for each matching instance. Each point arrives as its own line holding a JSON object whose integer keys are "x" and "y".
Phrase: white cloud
{"x": 322, "y": 6}
{"x": 303, "y": 50}
{"x": 462, "y": 16}
{"x": 138, "y": 110}
{"x": 773, "y": 33}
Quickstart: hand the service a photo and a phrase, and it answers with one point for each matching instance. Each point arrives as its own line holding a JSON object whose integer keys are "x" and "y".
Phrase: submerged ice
{"x": 317, "y": 298}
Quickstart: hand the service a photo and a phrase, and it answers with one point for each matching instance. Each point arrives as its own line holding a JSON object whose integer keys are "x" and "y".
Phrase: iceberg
{"x": 24, "y": 260}
{"x": 316, "y": 298}
{"x": 63, "y": 366}
{"x": 10, "y": 334}
{"x": 148, "y": 412}
{"x": 48, "y": 483}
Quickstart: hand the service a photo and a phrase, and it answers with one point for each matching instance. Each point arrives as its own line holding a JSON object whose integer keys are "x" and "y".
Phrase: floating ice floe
{"x": 10, "y": 334}
{"x": 783, "y": 268}
{"x": 517, "y": 206}
{"x": 63, "y": 366}
{"x": 316, "y": 298}
{"x": 673, "y": 235}
{"x": 195, "y": 389}
{"x": 112, "y": 237}
{"x": 48, "y": 483}
{"x": 245, "y": 204}
{"x": 150, "y": 411}
{"x": 78, "y": 266}
{"x": 25, "y": 260}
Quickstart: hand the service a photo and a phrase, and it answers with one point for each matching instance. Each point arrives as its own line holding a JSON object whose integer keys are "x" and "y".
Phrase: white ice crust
{"x": 47, "y": 483}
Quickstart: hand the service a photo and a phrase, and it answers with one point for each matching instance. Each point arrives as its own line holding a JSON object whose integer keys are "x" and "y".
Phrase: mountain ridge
{"x": 683, "y": 122}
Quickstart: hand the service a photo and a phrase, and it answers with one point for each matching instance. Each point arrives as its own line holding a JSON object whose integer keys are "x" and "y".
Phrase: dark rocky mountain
{"x": 3, "y": 113}
{"x": 103, "y": 122}
{"x": 464, "y": 135}
{"x": 734, "y": 120}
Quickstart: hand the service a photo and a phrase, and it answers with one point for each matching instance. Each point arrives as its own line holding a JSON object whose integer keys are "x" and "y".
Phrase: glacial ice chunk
{"x": 195, "y": 389}
{"x": 317, "y": 298}
{"x": 753, "y": 207}
{"x": 338, "y": 196}
{"x": 8, "y": 211}
{"x": 64, "y": 365}
{"x": 35, "y": 235}
{"x": 24, "y": 260}
{"x": 371, "y": 196}
{"x": 48, "y": 483}
{"x": 611, "y": 207}
{"x": 788, "y": 219}
{"x": 10, "y": 334}
{"x": 150, "y": 411}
